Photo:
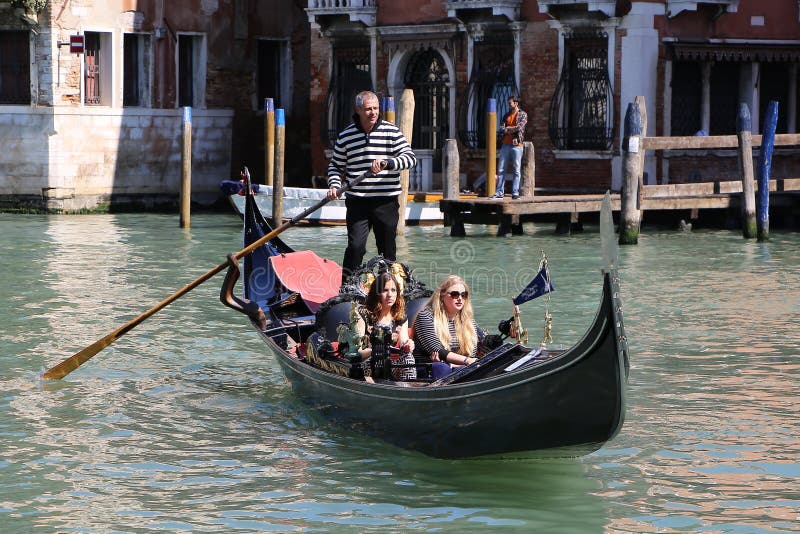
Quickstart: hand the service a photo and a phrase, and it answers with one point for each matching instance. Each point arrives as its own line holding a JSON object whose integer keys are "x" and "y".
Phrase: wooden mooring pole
{"x": 526, "y": 188}
{"x": 407, "y": 127}
{"x": 491, "y": 146}
{"x": 451, "y": 167}
{"x": 764, "y": 166}
{"x": 630, "y": 215}
{"x": 269, "y": 141}
{"x": 745, "y": 136}
{"x": 277, "y": 185}
{"x": 643, "y": 112}
{"x": 186, "y": 169}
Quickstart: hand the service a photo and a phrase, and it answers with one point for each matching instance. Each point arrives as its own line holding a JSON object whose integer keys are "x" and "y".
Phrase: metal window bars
{"x": 581, "y": 111}
{"x": 492, "y": 76}
{"x": 427, "y": 75}
{"x": 350, "y": 75}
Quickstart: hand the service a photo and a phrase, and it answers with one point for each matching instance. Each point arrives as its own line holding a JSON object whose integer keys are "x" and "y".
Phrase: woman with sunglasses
{"x": 445, "y": 329}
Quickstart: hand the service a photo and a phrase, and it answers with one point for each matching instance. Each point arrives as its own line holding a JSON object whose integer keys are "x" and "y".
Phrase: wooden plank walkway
{"x": 566, "y": 209}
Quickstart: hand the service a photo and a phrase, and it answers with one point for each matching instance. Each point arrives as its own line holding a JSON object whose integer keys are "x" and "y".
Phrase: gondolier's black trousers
{"x": 377, "y": 213}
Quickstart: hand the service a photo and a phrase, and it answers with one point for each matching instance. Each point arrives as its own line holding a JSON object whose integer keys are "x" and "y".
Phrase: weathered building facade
{"x": 576, "y": 65}
{"x": 103, "y": 125}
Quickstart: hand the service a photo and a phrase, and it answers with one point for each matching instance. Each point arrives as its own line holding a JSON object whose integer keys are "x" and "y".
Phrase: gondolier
{"x": 369, "y": 143}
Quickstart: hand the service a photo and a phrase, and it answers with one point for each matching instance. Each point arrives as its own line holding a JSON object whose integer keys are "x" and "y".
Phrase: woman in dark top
{"x": 385, "y": 306}
{"x": 445, "y": 329}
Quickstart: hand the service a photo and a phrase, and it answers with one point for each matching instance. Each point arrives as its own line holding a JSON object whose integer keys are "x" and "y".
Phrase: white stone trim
{"x": 583, "y": 154}
{"x": 607, "y": 7}
{"x": 504, "y": 8}
{"x": 675, "y": 7}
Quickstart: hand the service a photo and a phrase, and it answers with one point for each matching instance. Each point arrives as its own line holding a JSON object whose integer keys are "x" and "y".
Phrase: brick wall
{"x": 539, "y": 74}
{"x": 720, "y": 165}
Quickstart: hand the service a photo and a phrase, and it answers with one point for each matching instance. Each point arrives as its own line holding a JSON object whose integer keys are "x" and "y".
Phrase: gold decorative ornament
{"x": 399, "y": 275}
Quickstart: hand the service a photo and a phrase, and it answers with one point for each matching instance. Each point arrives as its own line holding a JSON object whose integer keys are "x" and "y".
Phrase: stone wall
{"x": 80, "y": 158}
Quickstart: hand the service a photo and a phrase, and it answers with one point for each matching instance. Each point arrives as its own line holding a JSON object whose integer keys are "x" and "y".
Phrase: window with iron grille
{"x": 349, "y": 76}
{"x": 186, "y": 70}
{"x": 15, "y": 77}
{"x": 191, "y": 70}
{"x": 135, "y": 88}
{"x": 724, "y": 97}
{"x": 268, "y": 76}
{"x": 91, "y": 69}
{"x": 687, "y": 84}
{"x": 581, "y": 111}
{"x": 774, "y": 84}
{"x": 428, "y": 77}
{"x": 97, "y": 71}
{"x": 492, "y": 76}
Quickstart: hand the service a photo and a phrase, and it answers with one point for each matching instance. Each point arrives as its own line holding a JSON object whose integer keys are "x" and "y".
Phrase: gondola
{"x": 514, "y": 402}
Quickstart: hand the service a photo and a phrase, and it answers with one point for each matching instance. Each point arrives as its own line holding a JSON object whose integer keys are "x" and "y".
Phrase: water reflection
{"x": 713, "y": 387}
{"x": 183, "y": 424}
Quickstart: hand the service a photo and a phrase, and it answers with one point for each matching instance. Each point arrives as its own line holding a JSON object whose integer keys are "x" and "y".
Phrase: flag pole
{"x": 548, "y": 318}
{"x": 519, "y": 329}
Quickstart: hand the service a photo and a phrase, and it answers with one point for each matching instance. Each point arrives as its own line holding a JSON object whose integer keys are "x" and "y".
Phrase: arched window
{"x": 427, "y": 76}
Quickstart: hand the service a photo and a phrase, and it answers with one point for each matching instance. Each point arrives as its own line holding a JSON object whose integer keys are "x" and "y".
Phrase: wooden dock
{"x": 662, "y": 203}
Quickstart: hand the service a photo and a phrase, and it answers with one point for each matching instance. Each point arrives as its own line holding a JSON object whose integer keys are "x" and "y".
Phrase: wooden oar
{"x": 79, "y": 358}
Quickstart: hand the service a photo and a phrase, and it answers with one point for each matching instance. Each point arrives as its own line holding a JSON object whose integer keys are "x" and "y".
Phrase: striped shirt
{"x": 355, "y": 150}
{"x": 426, "y": 341}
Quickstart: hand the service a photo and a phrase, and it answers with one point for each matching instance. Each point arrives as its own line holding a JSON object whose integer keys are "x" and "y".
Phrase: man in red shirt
{"x": 512, "y": 128}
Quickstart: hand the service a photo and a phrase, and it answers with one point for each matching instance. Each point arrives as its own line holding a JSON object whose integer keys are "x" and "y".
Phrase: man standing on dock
{"x": 368, "y": 144}
{"x": 512, "y": 129}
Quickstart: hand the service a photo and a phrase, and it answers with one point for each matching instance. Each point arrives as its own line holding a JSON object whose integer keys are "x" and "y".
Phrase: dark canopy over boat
{"x": 512, "y": 401}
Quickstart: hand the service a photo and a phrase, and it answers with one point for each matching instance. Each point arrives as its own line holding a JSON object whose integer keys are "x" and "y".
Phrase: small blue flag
{"x": 536, "y": 288}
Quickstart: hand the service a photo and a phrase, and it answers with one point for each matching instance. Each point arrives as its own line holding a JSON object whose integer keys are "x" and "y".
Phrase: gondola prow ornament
{"x": 540, "y": 285}
{"x": 351, "y": 340}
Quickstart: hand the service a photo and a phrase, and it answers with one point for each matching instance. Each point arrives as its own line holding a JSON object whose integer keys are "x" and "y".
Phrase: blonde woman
{"x": 445, "y": 329}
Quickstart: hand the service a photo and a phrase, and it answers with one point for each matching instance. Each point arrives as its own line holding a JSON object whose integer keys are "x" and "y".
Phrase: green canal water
{"x": 185, "y": 425}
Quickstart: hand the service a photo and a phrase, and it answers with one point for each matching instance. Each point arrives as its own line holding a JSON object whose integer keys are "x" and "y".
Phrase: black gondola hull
{"x": 574, "y": 400}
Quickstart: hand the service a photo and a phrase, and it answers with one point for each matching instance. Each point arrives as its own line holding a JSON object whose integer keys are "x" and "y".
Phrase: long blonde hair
{"x": 465, "y": 330}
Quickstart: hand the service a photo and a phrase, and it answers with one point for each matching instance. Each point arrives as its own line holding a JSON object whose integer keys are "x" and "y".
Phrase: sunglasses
{"x": 456, "y": 294}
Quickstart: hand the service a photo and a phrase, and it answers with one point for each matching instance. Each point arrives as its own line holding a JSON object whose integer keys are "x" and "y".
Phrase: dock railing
{"x": 635, "y": 143}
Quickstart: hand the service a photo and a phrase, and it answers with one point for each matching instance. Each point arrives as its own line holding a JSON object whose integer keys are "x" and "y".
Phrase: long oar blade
{"x": 79, "y": 358}
{"x": 76, "y": 360}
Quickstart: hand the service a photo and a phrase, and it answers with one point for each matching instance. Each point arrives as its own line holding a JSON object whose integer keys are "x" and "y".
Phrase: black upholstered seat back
{"x": 413, "y": 306}
{"x": 333, "y": 312}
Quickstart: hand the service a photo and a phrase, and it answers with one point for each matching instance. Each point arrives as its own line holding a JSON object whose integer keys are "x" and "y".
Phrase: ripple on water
{"x": 183, "y": 425}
